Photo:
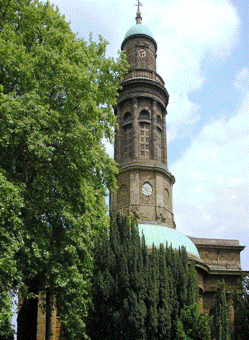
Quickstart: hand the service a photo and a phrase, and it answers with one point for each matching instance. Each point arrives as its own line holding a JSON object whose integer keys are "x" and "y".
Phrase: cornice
{"x": 226, "y": 272}
{"x": 143, "y": 85}
{"x": 141, "y": 80}
{"x": 201, "y": 266}
{"x": 136, "y": 36}
{"x": 225, "y": 247}
{"x": 155, "y": 168}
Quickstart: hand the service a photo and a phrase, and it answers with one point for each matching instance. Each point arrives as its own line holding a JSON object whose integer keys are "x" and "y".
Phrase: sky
{"x": 203, "y": 48}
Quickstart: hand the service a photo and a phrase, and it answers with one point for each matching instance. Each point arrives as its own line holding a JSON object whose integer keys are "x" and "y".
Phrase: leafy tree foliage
{"x": 140, "y": 293}
{"x": 56, "y": 98}
{"x": 7, "y": 333}
{"x": 193, "y": 325}
{"x": 221, "y": 321}
{"x": 241, "y": 309}
{"x": 6, "y": 330}
{"x": 10, "y": 243}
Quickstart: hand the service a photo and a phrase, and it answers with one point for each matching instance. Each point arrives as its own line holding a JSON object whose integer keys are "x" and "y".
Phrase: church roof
{"x": 158, "y": 234}
{"x": 138, "y": 29}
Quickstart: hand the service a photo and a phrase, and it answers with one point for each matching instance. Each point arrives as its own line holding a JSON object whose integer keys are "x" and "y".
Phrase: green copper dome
{"x": 158, "y": 234}
{"x": 138, "y": 29}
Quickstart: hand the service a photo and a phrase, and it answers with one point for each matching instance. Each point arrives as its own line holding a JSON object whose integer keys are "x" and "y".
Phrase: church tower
{"x": 144, "y": 182}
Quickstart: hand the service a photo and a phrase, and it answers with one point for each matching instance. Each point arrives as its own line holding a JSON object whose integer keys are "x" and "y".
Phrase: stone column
{"x": 135, "y": 128}
{"x": 153, "y": 130}
{"x": 41, "y": 316}
{"x": 164, "y": 140}
{"x": 118, "y": 138}
{"x": 54, "y": 334}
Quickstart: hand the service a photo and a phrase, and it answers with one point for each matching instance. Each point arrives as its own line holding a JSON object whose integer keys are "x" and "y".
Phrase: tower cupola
{"x": 139, "y": 41}
{"x": 138, "y": 29}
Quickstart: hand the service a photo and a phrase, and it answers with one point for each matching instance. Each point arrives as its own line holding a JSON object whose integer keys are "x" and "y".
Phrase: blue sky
{"x": 203, "y": 48}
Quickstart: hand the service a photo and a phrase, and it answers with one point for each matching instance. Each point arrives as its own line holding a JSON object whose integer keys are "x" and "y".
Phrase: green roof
{"x": 138, "y": 29}
{"x": 158, "y": 234}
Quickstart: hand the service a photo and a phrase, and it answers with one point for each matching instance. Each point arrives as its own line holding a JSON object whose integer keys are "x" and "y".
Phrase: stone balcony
{"x": 140, "y": 73}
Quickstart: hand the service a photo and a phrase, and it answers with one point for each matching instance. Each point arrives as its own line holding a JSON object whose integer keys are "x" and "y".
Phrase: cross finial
{"x": 138, "y": 5}
{"x": 138, "y": 17}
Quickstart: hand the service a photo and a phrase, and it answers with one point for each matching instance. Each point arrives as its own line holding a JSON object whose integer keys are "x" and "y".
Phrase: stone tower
{"x": 145, "y": 184}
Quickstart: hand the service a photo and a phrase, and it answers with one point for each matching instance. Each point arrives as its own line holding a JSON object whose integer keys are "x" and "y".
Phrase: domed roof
{"x": 158, "y": 234}
{"x": 138, "y": 29}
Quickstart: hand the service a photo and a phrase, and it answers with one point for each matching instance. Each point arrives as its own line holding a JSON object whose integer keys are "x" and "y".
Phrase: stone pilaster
{"x": 164, "y": 141}
{"x": 53, "y": 323}
{"x": 118, "y": 139}
{"x": 134, "y": 188}
{"x": 41, "y": 316}
{"x": 153, "y": 130}
{"x": 135, "y": 128}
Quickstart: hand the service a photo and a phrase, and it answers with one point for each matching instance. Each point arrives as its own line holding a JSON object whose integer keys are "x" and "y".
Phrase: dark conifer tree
{"x": 182, "y": 276}
{"x": 221, "y": 321}
{"x": 193, "y": 325}
{"x": 164, "y": 303}
{"x": 152, "y": 295}
{"x": 241, "y": 309}
{"x": 193, "y": 294}
{"x": 141, "y": 294}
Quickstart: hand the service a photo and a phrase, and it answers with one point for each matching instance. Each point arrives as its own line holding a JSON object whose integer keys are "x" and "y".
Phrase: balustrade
{"x": 144, "y": 74}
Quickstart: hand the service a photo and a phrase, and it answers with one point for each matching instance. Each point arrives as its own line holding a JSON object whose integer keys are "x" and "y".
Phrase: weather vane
{"x": 138, "y": 5}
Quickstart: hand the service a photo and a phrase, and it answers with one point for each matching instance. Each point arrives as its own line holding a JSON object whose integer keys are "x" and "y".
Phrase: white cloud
{"x": 242, "y": 80}
{"x": 212, "y": 179}
{"x": 187, "y": 33}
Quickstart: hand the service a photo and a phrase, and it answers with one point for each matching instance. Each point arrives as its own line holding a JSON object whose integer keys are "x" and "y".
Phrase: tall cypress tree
{"x": 118, "y": 309}
{"x": 221, "y": 321}
{"x": 241, "y": 309}
{"x": 182, "y": 274}
{"x": 192, "y": 291}
{"x": 193, "y": 325}
{"x": 139, "y": 293}
{"x": 164, "y": 303}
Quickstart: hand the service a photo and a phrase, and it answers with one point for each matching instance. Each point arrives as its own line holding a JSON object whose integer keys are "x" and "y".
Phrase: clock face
{"x": 142, "y": 53}
{"x": 147, "y": 189}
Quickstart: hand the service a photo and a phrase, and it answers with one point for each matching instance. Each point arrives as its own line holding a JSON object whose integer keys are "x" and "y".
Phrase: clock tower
{"x": 144, "y": 181}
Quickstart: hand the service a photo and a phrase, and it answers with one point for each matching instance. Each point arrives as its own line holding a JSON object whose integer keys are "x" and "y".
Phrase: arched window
{"x": 127, "y": 116}
{"x": 159, "y": 143}
{"x": 127, "y": 141}
{"x": 144, "y": 114}
{"x": 159, "y": 120}
{"x": 144, "y": 140}
{"x": 166, "y": 196}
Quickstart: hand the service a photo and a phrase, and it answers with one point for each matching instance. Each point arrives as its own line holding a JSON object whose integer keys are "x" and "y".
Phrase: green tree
{"x": 152, "y": 296}
{"x": 56, "y": 97}
{"x": 192, "y": 324}
{"x": 10, "y": 241}
{"x": 241, "y": 309}
{"x": 118, "y": 308}
{"x": 164, "y": 305}
{"x": 221, "y": 321}
{"x": 135, "y": 290}
{"x": 6, "y": 330}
